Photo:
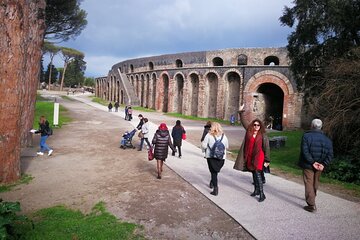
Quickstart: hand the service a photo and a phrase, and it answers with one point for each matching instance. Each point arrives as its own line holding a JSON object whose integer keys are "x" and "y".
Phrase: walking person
{"x": 45, "y": 131}
{"x": 206, "y": 130}
{"x": 254, "y": 153}
{"x": 145, "y": 134}
{"x": 141, "y": 121}
{"x": 315, "y": 154}
{"x": 110, "y": 106}
{"x": 116, "y": 105}
{"x": 215, "y": 144}
{"x": 162, "y": 142}
{"x": 126, "y": 112}
{"x": 129, "y": 113}
{"x": 177, "y": 134}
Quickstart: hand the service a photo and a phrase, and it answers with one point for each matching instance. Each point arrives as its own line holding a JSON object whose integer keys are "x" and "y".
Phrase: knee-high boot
{"x": 261, "y": 187}
{"x": 256, "y": 185}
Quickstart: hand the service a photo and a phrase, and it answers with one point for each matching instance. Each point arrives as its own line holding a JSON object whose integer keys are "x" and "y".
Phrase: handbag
{"x": 183, "y": 136}
{"x": 150, "y": 154}
{"x": 140, "y": 135}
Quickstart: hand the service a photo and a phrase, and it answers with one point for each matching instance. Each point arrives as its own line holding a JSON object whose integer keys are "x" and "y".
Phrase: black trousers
{"x": 215, "y": 166}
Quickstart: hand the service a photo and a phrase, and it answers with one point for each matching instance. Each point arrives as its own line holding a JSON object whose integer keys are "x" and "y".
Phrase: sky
{"x": 118, "y": 30}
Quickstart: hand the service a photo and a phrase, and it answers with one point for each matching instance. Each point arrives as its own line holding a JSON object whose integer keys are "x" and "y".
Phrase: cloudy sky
{"x": 123, "y": 29}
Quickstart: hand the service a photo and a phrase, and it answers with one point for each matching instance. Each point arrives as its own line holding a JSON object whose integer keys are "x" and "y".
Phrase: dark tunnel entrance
{"x": 273, "y": 98}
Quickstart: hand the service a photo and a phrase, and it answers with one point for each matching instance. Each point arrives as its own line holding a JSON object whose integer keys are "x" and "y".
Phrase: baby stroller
{"x": 127, "y": 139}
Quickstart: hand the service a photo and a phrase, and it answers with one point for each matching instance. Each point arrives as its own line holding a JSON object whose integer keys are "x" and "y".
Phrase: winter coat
{"x": 140, "y": 123}
{"x": 162, "y": 142}
{"x": 240, "y": 162}
{"x": 315, "y": 147}
{"x": 209, "y": 142}
{"x": 176, "y": 134}
{"x": 145, "y": 130}
{"x": 44, "y": 128}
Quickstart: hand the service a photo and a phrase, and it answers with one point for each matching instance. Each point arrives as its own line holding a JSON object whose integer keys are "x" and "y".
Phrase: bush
{"x": 344, "y": 168}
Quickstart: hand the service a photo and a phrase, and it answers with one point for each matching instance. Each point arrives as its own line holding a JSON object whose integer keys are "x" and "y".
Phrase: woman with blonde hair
{"x": 215, "y": 144}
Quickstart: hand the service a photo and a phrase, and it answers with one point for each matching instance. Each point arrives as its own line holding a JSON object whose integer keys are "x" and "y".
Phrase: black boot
{"x": 215, "y": 191}
{"x": 211, "y": 185}
{"x": 256, "y": 186}
{"x": 261, "y": 187}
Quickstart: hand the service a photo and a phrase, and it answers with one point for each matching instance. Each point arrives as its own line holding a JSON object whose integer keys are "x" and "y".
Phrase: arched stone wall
{"x": 163, "y": 92}
{"x": 142, "y": 90}
{"x": 193, "y": 93}
{"x": 179, "y": 81}
{"x": 154, "y": 90}
{"x": 251, "y": 96}
{"x": 232, "y": 90}
{"x": 211, "y": 91}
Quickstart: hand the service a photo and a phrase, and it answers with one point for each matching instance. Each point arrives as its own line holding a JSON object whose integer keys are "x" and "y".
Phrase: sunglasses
{"x": 256, "y": 125}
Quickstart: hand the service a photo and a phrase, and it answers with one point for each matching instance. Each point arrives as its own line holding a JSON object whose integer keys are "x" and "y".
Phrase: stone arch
{"x": 131, "y": 68}
{"x": 211, "y": 93}
{"x": 122, "y": 101}
{"x": 178, "y": 92}
{"x": 242, "y": 59}
{"x": 179, "y": 63}
{"x": 272, "y": 61}
{"x": 218, "y": 61}
{"x": 132, "y": 80}
{"x": 137, "y": 85}
{"x": 232, "y": 93}
{"x": 117, "y": 91}
{"x": 151, "y": 66}
{"x": 193, "y": 92}
{"x": 154, "y": 90}
{"x": 163, "y": 99}
{"x": 147, "y": 90}
{"x": 142, "y": 90}
{"x": 270, "y": 92}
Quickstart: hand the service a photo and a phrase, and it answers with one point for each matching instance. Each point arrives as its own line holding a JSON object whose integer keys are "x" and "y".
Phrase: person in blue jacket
{"x": 316, "y": 153}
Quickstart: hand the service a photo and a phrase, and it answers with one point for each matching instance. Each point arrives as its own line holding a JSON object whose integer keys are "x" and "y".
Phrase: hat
{"x": 163, "y": 126}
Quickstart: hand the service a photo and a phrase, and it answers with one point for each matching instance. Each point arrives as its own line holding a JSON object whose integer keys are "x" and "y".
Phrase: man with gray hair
{"x": 316, "y": 153}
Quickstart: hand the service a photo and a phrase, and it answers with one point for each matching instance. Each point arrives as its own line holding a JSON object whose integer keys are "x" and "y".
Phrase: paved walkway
{"x": 280, "y": 216}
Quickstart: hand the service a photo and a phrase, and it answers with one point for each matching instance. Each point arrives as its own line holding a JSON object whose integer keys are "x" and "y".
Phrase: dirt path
{"x": 88, "y": 166}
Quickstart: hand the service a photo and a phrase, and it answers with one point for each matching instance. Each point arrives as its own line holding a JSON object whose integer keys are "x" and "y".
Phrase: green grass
{"x": 142, "y": 109}
{"x": 100, "y": 101}
{"x": 61, "y": 222}
{"x": 46, "y": 108}
{"x": 179, "y": 115}
{"x": 24, "y": 179}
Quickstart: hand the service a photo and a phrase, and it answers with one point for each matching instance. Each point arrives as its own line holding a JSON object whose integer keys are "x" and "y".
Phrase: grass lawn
{"x": 60, "y": 222}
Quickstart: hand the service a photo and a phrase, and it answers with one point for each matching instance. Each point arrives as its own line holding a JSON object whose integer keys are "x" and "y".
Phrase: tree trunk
{"x": 63, "y": 76}
{"x": 21, "y": 37}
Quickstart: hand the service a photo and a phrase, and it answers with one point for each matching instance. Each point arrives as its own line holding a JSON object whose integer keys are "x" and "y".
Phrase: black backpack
{"x": 218, "y": 149}
{"x": 49, "y": 131}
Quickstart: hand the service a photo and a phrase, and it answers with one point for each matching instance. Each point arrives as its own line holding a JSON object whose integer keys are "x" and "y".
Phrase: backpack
{"x": 218, "y": 149}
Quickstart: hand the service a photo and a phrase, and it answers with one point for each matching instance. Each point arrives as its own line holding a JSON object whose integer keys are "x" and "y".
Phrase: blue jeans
{"x": 43, "y": 145}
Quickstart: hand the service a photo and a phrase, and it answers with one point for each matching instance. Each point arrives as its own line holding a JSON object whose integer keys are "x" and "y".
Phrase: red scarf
{"x": 257, "y": 154}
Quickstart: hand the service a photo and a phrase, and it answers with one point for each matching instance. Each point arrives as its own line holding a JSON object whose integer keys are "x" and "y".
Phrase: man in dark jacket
{"x": 316, "y": 153}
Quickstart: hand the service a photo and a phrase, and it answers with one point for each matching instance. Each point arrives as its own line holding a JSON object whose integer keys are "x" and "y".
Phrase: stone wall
{"x": 209, "y": 84}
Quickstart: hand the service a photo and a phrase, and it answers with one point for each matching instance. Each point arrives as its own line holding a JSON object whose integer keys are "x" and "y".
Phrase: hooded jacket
{"x": 162, "y": 142}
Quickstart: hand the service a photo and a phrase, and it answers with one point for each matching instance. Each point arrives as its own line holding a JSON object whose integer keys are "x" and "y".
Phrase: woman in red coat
{"x": 254, "y": 153}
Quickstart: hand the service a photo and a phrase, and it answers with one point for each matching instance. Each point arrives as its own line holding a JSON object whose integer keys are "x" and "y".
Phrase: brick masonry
{"x": 209, "y": 84}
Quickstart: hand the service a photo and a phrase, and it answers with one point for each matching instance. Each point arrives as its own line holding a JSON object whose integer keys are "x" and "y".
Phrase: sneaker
{"x": 50, "y": 152}
{"x": 310, "y": 208}
{"x": 40, "y": 153}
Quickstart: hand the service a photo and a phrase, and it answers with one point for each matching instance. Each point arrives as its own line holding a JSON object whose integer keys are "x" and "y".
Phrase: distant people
{"x": 126, "y": 112}
{"x": 162, "y": 142}
{"x": 141, "y": 121}
{"x": 315, "y": 154}
{"x": 110, "y": 106}
{"x": 177, "y": 133}
{"x": 45, "y": 130}
{"x": 145, "y": 134}
{"x": 116, "y": 105}
{"x": 215, "y": 144}
{"x": 129, "y": 113}
{"x": 254, "y": 153}
{"x": 232, "y": 119}
{"x": 206, "y": 130}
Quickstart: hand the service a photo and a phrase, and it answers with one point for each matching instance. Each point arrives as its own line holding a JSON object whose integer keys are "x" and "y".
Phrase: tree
{"x": 52, "y": 72}
{"x": 68, "y": 55}
{"x": 75, "y": 72}
{"x": 21, "y": 36}
{"x": 325, "y": 30}
{"x": 325, "y": 57}
{"x": 52, "y": 49}
{"x": 89, "y": 82}
{"x": 64, "y": 19}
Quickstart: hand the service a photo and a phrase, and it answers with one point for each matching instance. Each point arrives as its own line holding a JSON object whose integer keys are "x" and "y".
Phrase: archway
{"x": 178, "y": 93}
{"x": 165, "y": 79}
{"x": 147, "y": 94}
{"x": 232, "y": 95}
{"x": 122, "y": 97}
{"x": 194, "y": 94}
{"x": 142, "y": 89}
{"x": 211, "y": 91}
{"x": 153, "y": 91}
{"x": 271, "y": 102}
